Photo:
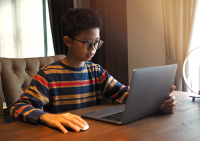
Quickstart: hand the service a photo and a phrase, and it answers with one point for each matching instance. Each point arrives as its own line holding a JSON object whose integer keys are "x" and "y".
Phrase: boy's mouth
{"x": 90, "y": 55}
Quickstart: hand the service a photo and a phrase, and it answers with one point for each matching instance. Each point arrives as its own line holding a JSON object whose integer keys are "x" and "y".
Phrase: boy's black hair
{"x": 79, "y": 19}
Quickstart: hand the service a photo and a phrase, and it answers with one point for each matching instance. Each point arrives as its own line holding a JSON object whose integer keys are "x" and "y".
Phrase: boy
{"x": 73, "y": 83}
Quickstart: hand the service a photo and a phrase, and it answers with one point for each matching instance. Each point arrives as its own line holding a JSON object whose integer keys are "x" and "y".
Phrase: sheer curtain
{"x": 178, "y": 23}
{"x": 21, "y": 28}
{"x": 195, "y": 40}
{"x": 193, "y": 77}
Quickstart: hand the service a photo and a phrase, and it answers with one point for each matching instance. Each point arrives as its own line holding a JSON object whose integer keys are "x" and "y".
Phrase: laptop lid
{"x": 149, "y": 88}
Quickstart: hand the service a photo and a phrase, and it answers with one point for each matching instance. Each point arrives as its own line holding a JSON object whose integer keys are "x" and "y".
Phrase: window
{"x": 50, "y": 48}
{"x": 21, "y": 29}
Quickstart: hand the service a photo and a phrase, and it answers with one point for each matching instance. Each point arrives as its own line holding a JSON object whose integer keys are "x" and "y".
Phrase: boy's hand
{"x": 169, "y": 105}
{"x": 60, "y": 120}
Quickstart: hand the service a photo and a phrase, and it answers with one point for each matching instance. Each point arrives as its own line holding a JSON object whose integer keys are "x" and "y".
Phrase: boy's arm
{"x": 28, "y": 107}
{"x": 112, "y": 89}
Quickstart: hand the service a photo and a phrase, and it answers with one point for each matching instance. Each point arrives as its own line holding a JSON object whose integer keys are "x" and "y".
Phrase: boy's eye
{"x": 87, "y": 42}
{"x": 90, "y": 42}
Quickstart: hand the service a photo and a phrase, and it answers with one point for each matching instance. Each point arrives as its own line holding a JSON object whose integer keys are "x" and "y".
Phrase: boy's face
{"x": 77, "y": 51}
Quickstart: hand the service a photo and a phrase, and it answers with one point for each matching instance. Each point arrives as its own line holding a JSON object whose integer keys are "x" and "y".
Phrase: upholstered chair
{"x": 16, "y": 75}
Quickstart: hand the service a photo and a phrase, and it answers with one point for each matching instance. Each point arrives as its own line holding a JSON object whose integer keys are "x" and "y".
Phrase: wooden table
{"x": 183, "y": 125}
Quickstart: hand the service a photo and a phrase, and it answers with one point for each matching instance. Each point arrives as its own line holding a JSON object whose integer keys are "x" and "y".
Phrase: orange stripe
{"x": 63, "y": 71}
{"x": 75, "y": 101}
{"x": 54, "y": 67}
{"x": 25, "y": 98}
{"x": 37, "y": 94}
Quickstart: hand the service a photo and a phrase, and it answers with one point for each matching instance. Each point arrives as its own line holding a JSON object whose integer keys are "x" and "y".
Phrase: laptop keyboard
{"x": 114, "y": 117}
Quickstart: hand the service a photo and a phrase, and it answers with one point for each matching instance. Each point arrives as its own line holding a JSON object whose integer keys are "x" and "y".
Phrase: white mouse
{"x": 85, "y": 128}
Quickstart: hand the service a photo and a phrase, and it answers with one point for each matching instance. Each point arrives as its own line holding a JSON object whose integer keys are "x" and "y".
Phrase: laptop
{"x": 149, "y": 88}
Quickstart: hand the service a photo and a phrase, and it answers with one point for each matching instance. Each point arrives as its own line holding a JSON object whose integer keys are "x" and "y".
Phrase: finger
{"x": 79, "y": 119}
{"x": 62, "y": 128}
{"x": 170, "y": 100}
{"x": 167, "y": 108}
{"x": 71, "y": 125}
{"x": 171, "y": 106}
{"x": 172, "y": 88}
{"x": 168, "y": 111}
{"x": 58, "y": 125}
{"x": 73, "y": 119}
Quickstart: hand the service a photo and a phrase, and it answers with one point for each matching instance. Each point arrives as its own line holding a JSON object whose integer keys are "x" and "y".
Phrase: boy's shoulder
{"x": 60, "y": 66}
{"x": 55, "y": 65}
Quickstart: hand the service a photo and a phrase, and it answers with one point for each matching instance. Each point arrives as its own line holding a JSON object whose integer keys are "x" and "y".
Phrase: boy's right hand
{"x": 60, "y": 120}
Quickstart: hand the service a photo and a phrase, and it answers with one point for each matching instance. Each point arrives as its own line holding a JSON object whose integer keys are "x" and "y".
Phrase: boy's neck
{"x": 71, "y": 63}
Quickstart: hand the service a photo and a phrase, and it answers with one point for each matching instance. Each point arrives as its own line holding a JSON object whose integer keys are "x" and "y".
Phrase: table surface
{"x": 183, "y": 125}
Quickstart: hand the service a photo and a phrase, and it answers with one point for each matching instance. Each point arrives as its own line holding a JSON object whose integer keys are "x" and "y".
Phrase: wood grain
{"x": 182, "y": 125}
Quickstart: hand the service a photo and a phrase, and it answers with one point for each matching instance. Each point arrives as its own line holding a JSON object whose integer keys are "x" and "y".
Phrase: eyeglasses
{"x": 89, "y": 44}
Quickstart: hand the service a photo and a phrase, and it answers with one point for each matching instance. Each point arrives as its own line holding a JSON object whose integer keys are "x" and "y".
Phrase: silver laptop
{"x": 149, "y": 88}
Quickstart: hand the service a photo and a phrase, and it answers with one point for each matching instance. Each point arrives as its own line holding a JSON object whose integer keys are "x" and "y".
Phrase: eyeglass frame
{"x": 93, "y": 43}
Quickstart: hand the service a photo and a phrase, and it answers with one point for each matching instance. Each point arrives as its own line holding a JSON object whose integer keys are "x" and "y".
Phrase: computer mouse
{"x": 85, "y": 128}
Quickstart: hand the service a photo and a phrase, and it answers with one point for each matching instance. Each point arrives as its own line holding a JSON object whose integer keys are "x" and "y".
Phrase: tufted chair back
{"x": 17, "y": 74}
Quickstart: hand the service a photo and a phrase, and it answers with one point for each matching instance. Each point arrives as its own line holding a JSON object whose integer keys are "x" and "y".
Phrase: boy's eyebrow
{"x": 90, "y": 38}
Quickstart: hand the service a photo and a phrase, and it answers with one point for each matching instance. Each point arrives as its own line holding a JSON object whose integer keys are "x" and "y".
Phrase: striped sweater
{"x": 60, "y": 88}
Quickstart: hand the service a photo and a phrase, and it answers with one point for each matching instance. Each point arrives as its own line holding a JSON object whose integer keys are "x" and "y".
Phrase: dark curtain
{"x": 113, "y": 55}
{"x": 56, "y": 10}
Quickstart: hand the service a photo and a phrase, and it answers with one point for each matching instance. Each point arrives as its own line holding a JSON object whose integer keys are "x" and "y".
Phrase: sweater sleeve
{"x": 28, "y": 107}
{"x": 112, "y": 89}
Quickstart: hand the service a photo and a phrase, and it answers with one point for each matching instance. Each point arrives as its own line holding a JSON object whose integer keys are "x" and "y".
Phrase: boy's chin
{"x": 89, "y": 60}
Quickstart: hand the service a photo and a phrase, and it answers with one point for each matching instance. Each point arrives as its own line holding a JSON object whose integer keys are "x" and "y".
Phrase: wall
{"x": 146, "y": 45}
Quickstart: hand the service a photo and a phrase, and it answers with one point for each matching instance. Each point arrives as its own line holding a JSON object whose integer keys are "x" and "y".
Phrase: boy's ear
{"x": 67, "y": 41}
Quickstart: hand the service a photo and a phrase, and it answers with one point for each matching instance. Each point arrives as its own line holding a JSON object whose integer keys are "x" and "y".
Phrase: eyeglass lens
{"x": 89, "y": 45}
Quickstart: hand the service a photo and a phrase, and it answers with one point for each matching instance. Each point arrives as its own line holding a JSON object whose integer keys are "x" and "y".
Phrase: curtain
{"x": 57, "y": 8}
{"x": 113, "y": 55}
{"x": 192, "y": 76}
{"x": 178, "y": 16}
{"x": 21, "y": 28}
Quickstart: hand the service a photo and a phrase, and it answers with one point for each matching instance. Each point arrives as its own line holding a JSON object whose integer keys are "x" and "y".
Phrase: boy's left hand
{"x": 169, "y": 105}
